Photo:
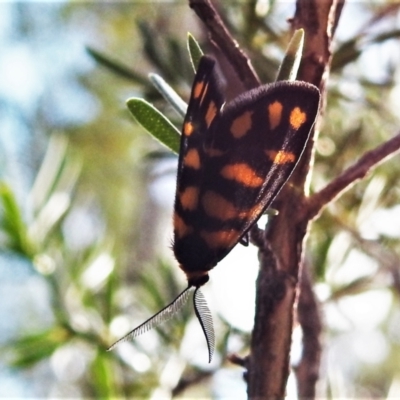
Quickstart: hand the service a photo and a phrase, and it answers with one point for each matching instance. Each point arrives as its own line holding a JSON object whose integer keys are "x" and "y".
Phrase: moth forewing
{"x": 250, "y": 153}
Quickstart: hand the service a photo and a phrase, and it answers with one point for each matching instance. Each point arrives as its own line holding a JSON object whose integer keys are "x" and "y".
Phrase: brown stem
{"x": 268, "y": 365}
{"x": 270, "y": 347}
{"x": 307, "y": 371}
{"x": 193, "y": 379}
{"x": 225, "y": 42}
{"x": 358, "y": 170}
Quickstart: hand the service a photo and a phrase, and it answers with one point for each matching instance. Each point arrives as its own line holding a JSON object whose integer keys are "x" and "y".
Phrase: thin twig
{"x": 225, "y": 42}
{"x": 357, "y": 171}
{"x": 388, "y": 260}
{"x": 196, "y": 378}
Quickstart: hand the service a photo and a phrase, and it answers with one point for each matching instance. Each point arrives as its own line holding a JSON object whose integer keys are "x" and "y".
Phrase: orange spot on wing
{"x": 192, "y": 159}
{"x": 254, "y": 212}
{"x": 218, "y": 207}
{"x": 212, "y": 152}
{"x": 275, "y": 114}
{"x": 297, "y": 118}
{"x": 220, "y": 239}
{"x": 189, "y": 198}
{"x": 198, "y": 89}
{"x": 242, "y": 124}
{"x": 211, "y": 113}
{"x": 243, "y": 174}
{"x": 281, "y": 157}
{"x": 188, "y": 128}
{"x": 181, "y": 229}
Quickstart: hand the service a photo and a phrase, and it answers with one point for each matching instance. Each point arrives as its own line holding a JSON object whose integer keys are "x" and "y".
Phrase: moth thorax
{"x": 197, "y": 279}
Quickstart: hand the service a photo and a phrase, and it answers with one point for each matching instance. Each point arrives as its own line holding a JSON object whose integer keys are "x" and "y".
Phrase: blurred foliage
{"x": 84, "y": 218}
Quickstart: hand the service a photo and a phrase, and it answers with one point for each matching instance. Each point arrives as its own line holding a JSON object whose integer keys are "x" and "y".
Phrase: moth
{"x": 234, "y": 159}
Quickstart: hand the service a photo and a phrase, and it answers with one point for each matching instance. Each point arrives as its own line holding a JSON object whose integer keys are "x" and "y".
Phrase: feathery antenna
{"x": 165, "y": 314}
{"x": 203, "y": 314}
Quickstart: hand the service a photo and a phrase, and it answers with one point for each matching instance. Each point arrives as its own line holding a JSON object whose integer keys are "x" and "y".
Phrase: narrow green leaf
{"x": 12, "y": 222}
{"x": 176, "y": 56}
{"x": 169, "y": 94}
{"x": 351, "y": 50}
{"x": 155, "y": 123}
{"x": 52, "y": 190}
{"x": 394, "y": 34}
{"x": 49, "y": 172}
{"x": 291, "y": 62}
{"x": 348, "y": 52}
{"x": 103, "y": 373}
{"x": 152, "y": 46}
{"x": 31, "y": 349}
{"x": 116, "y": 66}
{"x": 357, "y": 286}
{"x": 154, "y": 298}
{"x": 195, "y": 51}
{"x": 160, "y": 155}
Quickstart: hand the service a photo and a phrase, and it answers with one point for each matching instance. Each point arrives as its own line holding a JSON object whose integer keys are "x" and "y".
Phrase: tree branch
{"x": 269, "y": 365}
{"x": 307, "y": 371}
{"x": 221, "y": 37}
{"x": 357, "y": 171}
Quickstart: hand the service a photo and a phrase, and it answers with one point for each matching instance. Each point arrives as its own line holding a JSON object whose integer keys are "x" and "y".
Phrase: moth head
{"x": 197, "y": 279}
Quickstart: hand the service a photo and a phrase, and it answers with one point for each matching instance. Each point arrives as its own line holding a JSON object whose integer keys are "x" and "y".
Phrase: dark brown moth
{"x": 234, "y": 159}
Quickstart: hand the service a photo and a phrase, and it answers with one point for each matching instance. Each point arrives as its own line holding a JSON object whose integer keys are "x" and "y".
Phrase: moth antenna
{"x": 163, "y": 315}
{"x": 203, "y": 314}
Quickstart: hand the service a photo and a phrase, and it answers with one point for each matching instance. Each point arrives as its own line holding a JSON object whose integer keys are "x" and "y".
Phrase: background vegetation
{"x": 86, "y": 199}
